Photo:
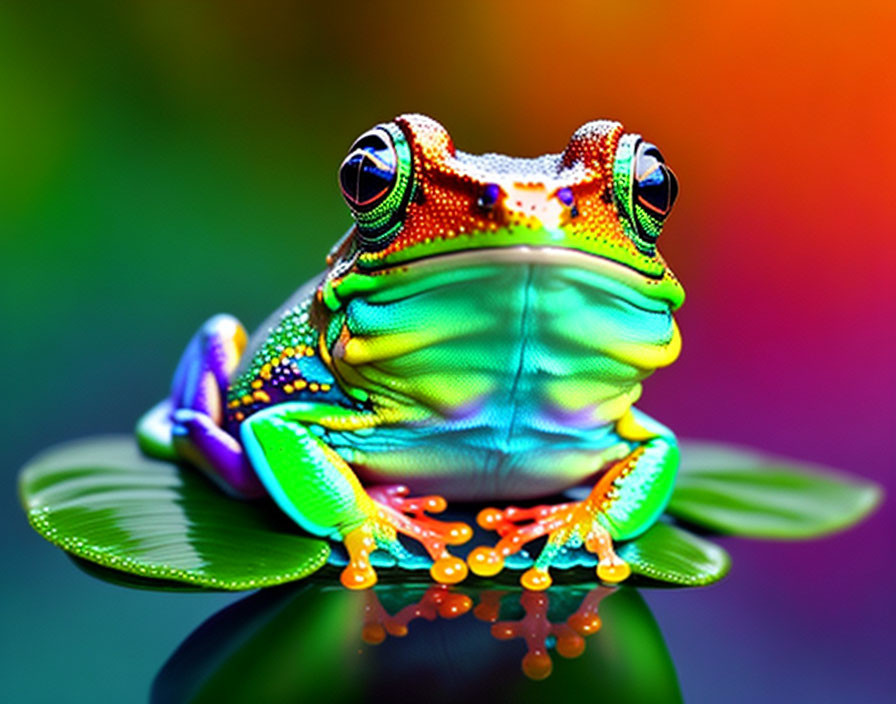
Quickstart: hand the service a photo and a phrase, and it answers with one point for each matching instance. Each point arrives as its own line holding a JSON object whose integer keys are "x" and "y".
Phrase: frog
{"x": 479, "y": 334}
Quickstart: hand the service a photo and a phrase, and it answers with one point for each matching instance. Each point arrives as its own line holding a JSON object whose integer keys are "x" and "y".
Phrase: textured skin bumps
{"x": 481, "y": 333}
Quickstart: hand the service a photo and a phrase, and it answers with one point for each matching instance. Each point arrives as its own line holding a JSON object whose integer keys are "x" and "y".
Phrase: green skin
{"x": 493, "y": 357}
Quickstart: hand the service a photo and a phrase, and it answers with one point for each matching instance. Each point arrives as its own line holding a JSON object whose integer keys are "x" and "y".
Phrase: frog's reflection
{"x": 535, "y": 628}
{"x": 430, "y": 642}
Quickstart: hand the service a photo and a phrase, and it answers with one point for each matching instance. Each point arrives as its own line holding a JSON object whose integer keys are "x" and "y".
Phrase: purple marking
{"x": 198, "y": 439}
{"x": 466, "y": 411}
{"x": 207, "y": 352}
{"x": 565, "y": 196}
{"x": 490, "y": 195}
{"x": 582, "y": 418}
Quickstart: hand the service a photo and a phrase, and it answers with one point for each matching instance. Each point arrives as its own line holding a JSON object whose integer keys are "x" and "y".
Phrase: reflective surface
{"x": 755, "y": 634}
{"x": 317, "y": 643}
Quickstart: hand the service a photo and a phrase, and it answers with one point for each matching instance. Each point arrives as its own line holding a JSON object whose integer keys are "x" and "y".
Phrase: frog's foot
{"x": 393, "y": 512}
{"x": 438, "y": 601}
{"x": 626, "y": 500}
{"x": 568, "y": 525}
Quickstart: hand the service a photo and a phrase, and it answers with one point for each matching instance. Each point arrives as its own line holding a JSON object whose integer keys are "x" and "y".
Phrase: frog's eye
{"x": 368, "y": 172}
{"x": 645, "y": 190}
{"x": 655, "y": 186}
{"x": 375, "y": 179}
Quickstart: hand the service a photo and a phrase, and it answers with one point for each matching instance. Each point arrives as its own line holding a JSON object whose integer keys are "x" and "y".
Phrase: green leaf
{"x": 670, "y": 554}
{"x": 126, "y": 579}
{"x": 103, "y": 501}
{"x": 745, "y": 493}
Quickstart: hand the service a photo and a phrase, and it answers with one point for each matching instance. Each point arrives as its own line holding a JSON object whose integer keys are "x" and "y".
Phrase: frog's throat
{"x": 651, "y": 293}
{"x": 607, "y": 243}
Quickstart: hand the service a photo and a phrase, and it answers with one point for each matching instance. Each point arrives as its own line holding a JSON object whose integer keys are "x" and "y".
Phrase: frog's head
{"x": 601, "y": 202}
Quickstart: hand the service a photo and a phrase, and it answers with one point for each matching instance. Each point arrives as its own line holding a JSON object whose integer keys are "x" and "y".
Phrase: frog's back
{"x": 282, "y": 362}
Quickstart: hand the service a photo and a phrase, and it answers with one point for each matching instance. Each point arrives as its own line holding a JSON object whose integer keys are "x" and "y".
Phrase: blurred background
{"x": 163, "y": 161}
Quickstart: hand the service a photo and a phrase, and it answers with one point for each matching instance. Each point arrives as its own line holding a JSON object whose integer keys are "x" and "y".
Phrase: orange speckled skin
{"x": 451, "y": 184}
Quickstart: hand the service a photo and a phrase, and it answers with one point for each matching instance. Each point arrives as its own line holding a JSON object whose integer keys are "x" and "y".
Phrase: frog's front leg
{"x": 626, "y": 500}
{"x": 316, "y": 487}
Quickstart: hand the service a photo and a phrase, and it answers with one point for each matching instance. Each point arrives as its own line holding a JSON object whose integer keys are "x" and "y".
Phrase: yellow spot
{"x": 261, "y": 396}
{"x": 239, "y": 415}
{"x": 257, "y": 384}
{"x": 313, "y": 386}
{"x": 265, "y": 372}
{"x": 325, "y": 387}
{"x": 485, "y": 561}
{"x": 309, "y": 352}
{"x": 363, "y": 350}
{"x": 646, "y": 356}
{"x": 288, "y": 352}
{"x": 536, "y": 580}
{"x": 288, "y": 388}
{"x": 275, "y": 361}
{"x": 233, "y": 404}
{"x": 300, "y": 385}
{"x": 448, "y": 569}
{"x": 630, "y": 429}
{"x": 613, "y": 570}
{"x": 458, "y": 533}
{"x": 247, "y": 399}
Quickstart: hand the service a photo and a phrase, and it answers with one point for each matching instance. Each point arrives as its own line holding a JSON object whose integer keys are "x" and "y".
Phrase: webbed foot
{"x": 392, "y": 512}
{"x": 568, "y": 525}
{"x": 627, "y": 499}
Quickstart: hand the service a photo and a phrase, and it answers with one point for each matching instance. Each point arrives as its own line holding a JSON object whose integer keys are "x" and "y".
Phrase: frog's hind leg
{"x": 187, "y": 425}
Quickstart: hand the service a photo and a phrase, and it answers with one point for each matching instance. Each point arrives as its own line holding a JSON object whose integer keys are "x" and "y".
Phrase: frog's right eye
{"x": 645, "y": 190}
{"x": 376, "y": 182}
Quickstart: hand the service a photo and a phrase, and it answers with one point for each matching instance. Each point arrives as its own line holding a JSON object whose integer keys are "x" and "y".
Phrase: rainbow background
{"x": 161, "y": 162}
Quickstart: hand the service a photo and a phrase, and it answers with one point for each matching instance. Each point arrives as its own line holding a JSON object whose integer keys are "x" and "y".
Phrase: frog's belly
{"x": 508, "y": 379}
{"x": 466, "y": 463}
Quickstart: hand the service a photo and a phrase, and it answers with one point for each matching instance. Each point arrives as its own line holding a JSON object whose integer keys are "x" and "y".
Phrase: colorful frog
{"x": 480, "y": 334}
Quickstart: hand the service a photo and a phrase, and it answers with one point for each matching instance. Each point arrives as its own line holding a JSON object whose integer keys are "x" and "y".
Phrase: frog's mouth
{"x": 651, "y": 291}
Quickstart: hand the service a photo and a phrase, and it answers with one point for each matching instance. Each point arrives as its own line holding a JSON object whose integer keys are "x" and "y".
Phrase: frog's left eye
{"x": 645, "y": 190}
{"x": 376, "y": 182}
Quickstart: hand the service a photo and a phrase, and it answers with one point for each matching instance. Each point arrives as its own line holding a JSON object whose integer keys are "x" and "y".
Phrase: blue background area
{"x": 160, "y": 164}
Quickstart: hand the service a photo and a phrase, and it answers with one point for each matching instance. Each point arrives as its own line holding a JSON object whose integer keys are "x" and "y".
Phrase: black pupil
{"x": 655, "y": 185}
{"x": 368, "y": 172}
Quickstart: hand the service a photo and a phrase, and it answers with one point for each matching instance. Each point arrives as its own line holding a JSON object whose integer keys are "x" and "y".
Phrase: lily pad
{"x": 669, "y": 554}
{"x": 133, "y": 581}
{"x": 746, "y": 493}
{"x": 101, "y": 500}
